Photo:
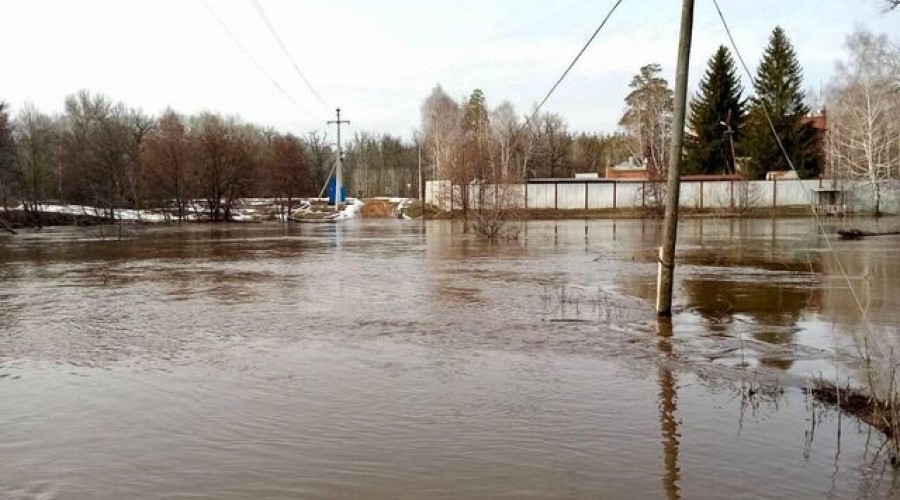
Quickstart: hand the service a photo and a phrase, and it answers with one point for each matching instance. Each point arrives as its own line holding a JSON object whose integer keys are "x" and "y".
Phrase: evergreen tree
{"x": 779, "y": 82}
{"x": 476, "y": 115}
{"x": 717, "y": 112}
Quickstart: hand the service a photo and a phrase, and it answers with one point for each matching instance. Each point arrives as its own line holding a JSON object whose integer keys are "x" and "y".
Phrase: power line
{"x": 574, "y": 61}
{"x": 806, "y": 190}
{"x": 537, "y": 109}
{"x": 287, "y": 53}
{"x": 256, "y": 63}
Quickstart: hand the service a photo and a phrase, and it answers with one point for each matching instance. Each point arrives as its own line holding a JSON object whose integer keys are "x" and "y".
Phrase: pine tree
{"x": 476, "y": 115}
{"x": 717, "y": 112}
{"x": 779, "y": 82}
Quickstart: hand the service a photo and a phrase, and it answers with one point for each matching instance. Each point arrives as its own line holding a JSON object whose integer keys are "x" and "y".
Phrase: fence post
{"x": 774, "y": 192}
{"x": 732, "y": 194}
{"x": 701, "y": 195}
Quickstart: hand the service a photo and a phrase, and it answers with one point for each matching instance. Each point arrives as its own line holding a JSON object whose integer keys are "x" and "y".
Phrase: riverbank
{"x": 268, "y": 210}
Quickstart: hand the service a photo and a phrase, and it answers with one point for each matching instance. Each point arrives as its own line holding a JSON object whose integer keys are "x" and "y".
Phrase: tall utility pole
{"x": 338, "y": 171}
{"x": 670, "y": 228}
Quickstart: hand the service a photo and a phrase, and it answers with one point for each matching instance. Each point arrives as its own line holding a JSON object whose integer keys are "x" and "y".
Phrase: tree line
{"x": 857, "y": 135}
{"x": 100, "y": 152}
{"x": 465, "y": 140}
{"x": 727, "y": 132}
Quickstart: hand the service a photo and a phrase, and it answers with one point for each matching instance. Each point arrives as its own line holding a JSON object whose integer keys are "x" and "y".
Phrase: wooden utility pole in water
{"x": 670, "y": 227}
{"x": 421, "y": 179}
{"x": 338, "y": 171}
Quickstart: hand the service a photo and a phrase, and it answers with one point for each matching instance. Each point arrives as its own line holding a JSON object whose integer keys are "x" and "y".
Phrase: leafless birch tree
{"x": 865, "y": 114}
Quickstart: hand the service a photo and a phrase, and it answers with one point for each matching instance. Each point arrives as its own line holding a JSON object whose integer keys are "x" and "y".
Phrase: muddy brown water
{"x": 384, "y": 359}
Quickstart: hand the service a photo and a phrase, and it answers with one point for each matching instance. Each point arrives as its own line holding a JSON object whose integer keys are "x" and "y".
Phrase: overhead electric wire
{"x": 287, "y": 53}
{"x": 821, "y": 227}
{"x": 572, "y": 64}
{"x": 255, "y": 62}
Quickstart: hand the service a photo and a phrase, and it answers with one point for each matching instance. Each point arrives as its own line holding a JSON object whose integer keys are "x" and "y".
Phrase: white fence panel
{"x": 570, "y": 196}
{"x": 858, "y": 195}
{"x": 691, "y": 195}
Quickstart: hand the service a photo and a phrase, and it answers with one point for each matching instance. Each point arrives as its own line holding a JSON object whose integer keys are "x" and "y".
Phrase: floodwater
{"x": 387, "y": 359}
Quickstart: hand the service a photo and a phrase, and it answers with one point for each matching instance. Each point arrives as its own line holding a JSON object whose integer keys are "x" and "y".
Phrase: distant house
{"x": 778, "y": 175}
{"x": 819, "y": 122}
{"x": 628, "y": 170}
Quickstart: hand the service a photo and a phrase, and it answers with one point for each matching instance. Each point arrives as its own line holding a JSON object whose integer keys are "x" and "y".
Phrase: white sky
{"x": 379, "y": 59}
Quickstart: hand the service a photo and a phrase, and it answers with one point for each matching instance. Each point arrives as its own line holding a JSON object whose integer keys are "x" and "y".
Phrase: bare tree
{"x": 554, "y": 146}
{"x": 648, "y": 119}
{"x": 35, "y": 135}
{"x": 7, "y": 156}
{"x": 500, "y": 196}
{"x": 226, "y": 153}
{"x": 167, "y": 157}
{"x": 94, "y": 148}
{"x": 138, "y": 125}
{"x": 527, "y": 143}
{"x": 393, "y": 166}
{"x": 320, "y": 158}
{"x": 441, "y": 119}
{"x": 363, "y": 159}
{"x": 504, "y": 128}
{"x": 78, "y": 150}
{"x": 112, "y": 147}
{"x": 288, "y": 175}
{"x": 865, "y": 112}
{"x": 648, "y": 123}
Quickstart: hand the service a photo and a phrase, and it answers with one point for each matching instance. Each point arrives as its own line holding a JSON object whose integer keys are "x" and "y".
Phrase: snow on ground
{"x": 122, "y": 214}
{"x": 307, "y": 210}
{"x": 351, "y": 210}
{"x": 245, "y": 210}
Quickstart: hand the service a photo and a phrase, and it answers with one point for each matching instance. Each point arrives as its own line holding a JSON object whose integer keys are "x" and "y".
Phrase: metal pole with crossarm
{"x": 338, "y": 179}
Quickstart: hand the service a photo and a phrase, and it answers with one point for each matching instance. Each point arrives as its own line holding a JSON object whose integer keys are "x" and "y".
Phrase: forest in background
{"x": 103, "y": 153}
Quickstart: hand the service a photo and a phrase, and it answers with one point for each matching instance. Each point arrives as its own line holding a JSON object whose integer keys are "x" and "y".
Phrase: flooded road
{"x": 381, "y": 359}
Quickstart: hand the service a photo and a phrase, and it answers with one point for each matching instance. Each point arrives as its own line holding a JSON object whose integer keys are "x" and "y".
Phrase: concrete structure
{"x": 827, "y": 195}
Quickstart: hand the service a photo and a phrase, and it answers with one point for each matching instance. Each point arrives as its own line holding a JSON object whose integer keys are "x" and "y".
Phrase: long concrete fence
{"x": 828, "y": 195}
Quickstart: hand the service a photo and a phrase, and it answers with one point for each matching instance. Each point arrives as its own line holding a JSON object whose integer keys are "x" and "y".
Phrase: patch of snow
{"x": 242, "y": 217}
{"x": 351, "y": 209}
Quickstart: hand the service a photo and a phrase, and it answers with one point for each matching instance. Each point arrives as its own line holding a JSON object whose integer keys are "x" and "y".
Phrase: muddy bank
{"x": 878, "y": 413}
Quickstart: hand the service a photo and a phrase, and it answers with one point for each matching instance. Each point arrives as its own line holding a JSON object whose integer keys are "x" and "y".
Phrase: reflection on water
{"x": 668, "y": 405}
{"x": 384, "y": 360}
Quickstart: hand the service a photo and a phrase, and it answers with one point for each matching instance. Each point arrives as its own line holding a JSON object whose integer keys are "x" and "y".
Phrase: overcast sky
{"x": 379, "y": 59}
